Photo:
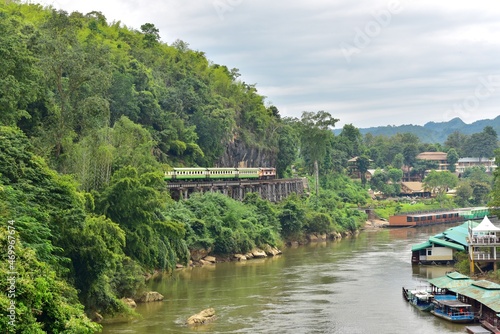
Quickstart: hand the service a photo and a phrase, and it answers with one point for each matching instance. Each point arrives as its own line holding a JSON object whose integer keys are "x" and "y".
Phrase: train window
{"x": 417, "y": 219}
{"x": 408, "y": 219}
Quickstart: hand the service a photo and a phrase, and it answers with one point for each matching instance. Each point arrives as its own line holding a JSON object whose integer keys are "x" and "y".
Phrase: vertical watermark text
{"x": 11, "y": 272}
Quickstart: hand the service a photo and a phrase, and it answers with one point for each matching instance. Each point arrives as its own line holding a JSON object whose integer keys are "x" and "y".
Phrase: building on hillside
{"x": 439, "y": 157}
{"x": 464, "y": 163}
{"x": 353, "y": 171}
{"x": 414, "y": 189}
{"x": 484, "y": 241}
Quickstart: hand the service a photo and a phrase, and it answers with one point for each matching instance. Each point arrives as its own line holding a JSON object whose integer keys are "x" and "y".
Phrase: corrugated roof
{"x": 444, "y": 243}
{"x": 451, "y": 281}
{"x": 483, "y": 160}
{"x": 413, "y": 186}
{"x": 423, "y": 245}
{"x": 485, "y": 292}
{"x": 432, "y": 156}
{"x": 425, "y": 214}
{"x": 457, "y": 237}
{"x": 459, "y": 233}
{"x": 456, "y": 275}
{"x": 486, "y": 285}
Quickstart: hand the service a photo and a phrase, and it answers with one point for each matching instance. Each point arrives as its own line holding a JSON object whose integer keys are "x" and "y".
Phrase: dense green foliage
{"x": 92, "y": 113}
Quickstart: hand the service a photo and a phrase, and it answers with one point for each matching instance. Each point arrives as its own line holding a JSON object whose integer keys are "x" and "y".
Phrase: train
{"x": 227, "y": 173}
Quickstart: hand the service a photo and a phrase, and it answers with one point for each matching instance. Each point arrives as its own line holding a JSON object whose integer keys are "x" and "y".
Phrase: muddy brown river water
{"x": 347, "y": 287}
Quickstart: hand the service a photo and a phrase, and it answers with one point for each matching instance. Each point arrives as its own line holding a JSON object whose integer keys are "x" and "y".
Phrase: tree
{"x": 44, "y": 302}
{"x": 78, "y": 75}
{"x": 352, "y": 139}
{"x": 410, "y": 153}
{"x": 464, "y": 194}
{"x": 292, "y": 217}
{"x": 480, "y": 192}
{"x": 19, "y": 77}
{"x": 395, "y": 175}
{"x": 316, "y": 135}
{"x": 151, "y": 34}
{"x": 495, "y": 194}
{"x": 137, "y": 202}
{"x": 363, "y": 163}
{"x": 457, "y": 141}
{"x": 482, "y": 145}
{"x": 452, "y": 158}
{"x": 398, "y": 161}
{"x": 288, "y": 144}
{"x": 420, "y": 167}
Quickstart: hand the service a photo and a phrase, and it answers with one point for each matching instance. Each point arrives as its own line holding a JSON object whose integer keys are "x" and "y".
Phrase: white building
{"x": 464, "y": 163}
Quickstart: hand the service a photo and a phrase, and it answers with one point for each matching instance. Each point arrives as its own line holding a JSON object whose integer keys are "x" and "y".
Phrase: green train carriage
{"x": 228, "y": 173}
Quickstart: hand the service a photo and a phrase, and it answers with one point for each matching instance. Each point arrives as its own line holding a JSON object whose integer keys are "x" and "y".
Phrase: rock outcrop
{"x": 272, "y": 251}
{"x": 201, "y": 318}
{"x": 198, "y": 254}
{"x": 258, "y": 253}
{"x": 129, "y": 302}
{"x": 150, "y": 296}
{"x": 238, "y": 153}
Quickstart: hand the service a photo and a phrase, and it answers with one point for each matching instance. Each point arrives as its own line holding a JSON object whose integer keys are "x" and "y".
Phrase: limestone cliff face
{"x": 238, "y": 154}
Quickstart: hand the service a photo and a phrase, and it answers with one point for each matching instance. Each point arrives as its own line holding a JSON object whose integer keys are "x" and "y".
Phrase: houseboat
{"x": 453, "y": 310}
{"x": 416, "y": 219}
{"x": 441, "y": 248}
{"x": 421, "y": 299}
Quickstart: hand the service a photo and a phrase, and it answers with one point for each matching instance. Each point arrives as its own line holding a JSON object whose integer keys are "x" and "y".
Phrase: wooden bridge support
{"x": 272, "y": 190}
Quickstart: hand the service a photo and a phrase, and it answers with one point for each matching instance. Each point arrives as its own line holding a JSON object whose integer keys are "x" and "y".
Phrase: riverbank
{"x": 375, "y": 224}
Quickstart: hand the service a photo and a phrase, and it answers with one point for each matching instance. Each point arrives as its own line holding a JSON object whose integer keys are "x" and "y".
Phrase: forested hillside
{"x": 92, "y": 113}
{"x": 433, "y": 132}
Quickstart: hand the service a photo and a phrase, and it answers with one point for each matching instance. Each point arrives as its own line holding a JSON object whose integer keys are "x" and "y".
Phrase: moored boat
{"x": 453, "y": 310}
{"x": 421, "y": 299}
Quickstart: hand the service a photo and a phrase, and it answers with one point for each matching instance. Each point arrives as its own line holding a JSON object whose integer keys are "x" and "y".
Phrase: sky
{"x": 367, "y": 62}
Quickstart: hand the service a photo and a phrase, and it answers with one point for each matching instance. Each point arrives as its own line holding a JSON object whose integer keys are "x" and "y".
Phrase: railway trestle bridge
{"x": 272, "y": 190}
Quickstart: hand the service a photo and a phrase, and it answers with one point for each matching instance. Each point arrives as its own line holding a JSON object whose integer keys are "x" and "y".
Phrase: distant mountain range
{"x": 433, "y": 132}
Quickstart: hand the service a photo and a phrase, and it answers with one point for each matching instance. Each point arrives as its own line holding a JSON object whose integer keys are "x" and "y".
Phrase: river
{"x": 347, "y": 287}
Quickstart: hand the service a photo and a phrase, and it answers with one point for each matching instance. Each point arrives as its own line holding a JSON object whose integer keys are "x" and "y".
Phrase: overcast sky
{"x": 368, "y": 63}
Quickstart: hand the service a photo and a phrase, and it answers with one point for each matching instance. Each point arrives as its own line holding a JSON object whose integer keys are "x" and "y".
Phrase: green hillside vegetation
{"x": 92, "y": 113}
